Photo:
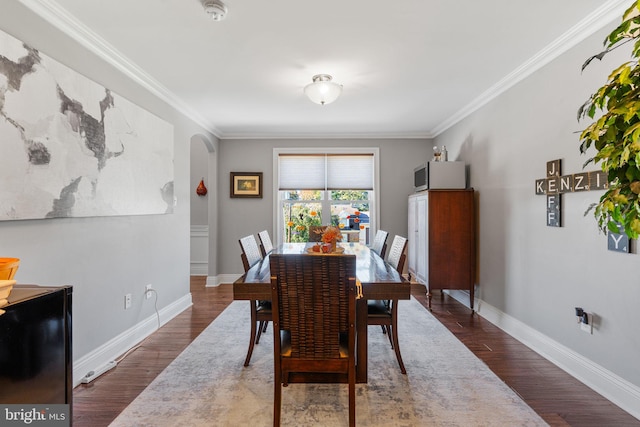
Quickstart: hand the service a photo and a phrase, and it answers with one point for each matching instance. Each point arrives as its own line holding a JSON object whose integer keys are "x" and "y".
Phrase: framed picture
{"x": 246, "y": 184}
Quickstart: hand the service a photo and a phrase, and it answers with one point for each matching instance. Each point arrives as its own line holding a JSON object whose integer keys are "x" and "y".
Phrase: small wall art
{"x": 246, "y": 185}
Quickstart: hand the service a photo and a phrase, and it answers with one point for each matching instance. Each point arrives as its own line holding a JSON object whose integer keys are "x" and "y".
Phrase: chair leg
{"x": 252, "y": 337}
{"x": 396, "y": 347}
{"x": 277, "y": 403}
{"x": 262, "y": 325}
{"x": 388, "y": 329}
{"x": 384, "y": 330}
{"x": 394, "y": 334}
{"x": 352, "y": 399}
{"x": 261, "y": 329}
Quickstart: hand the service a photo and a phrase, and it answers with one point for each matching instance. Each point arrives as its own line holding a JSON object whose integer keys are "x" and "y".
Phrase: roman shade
{"x": 325, "y": 172}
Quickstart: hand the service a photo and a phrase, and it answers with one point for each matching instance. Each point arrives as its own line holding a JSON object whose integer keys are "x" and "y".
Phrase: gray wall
{"x": 240, "y": 217}
{"x": 104, "y": 257}
{"x": 535, "y": 273}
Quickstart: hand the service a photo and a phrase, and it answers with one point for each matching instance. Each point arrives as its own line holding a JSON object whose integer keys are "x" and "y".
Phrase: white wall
{"x": 240, "y": 217}
{"x": 104, "y": 258}
{"x": 534, "y": 273}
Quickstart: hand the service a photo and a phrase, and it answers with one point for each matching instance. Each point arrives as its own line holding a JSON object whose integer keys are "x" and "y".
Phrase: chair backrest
{"x": 265, "y": 242}
{"x": 379, "y": 244}
{"x": 315, "y": 232}
{"x": 313, "y": 299}
{"x": 250, "y": 252}
{"x": 396, "y": 253}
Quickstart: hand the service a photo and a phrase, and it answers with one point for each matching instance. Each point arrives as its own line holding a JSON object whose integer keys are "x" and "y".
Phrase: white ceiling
{"x": 410, "y": 68}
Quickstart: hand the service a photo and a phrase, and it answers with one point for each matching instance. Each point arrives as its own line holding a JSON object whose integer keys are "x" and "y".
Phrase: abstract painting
{"x": 70, "y": 147}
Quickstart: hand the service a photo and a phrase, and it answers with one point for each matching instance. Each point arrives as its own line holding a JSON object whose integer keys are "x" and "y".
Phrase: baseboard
{"x": 111, "y": 350}
{"x": 213, "y": 281}
{"x": 616, "y": 389}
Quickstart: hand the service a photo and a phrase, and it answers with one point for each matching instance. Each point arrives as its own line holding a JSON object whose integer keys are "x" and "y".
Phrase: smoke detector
{"x": 215, "y": 9}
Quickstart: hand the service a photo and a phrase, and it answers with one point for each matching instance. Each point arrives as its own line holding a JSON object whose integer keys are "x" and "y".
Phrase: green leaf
{"x": 618, "y": 71}
{"x": 625, "y": 154}
{"x": 606, "y": 151}
{"x": 632, "y": 111}
{"x": 582, "y": 109}
{"x": 629, "y": 174}
{"x": 585, "y": 146}
{"x": 613, "y": 227}
{"x": 598, "y": 57}
{"x": 632, "y": 10}
{"x": 631, "y": 129}
{"x": 624, "y": 75}
{"x": 636, "y": 48}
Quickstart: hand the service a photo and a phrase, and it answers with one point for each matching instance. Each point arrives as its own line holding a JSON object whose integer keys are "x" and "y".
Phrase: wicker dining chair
{"x": 379, "y": 244}
{"x": 314, "y": 313}
{"x": 260, "y": 310}
{"x": 265, "y": 242}
{"x": 385, "y": 312}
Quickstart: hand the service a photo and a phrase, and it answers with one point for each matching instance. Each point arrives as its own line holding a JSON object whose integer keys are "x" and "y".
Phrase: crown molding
{"x": 56, "y": 15}
{"x": 275, "y": 135}
{"x": 605, "y": 14}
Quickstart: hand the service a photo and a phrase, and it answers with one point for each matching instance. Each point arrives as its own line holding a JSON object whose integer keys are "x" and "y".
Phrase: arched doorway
{"x": 202, "y": 169}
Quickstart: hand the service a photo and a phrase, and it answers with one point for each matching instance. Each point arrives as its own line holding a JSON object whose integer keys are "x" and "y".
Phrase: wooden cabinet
{"x": 442, "y": 247}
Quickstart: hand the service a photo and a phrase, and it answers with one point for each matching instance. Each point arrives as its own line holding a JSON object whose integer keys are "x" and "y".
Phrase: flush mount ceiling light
{"x": 323, "y": 91}
{"x": 215, "y": 9}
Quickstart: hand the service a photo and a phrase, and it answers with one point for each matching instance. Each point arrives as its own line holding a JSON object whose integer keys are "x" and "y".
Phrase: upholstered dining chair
{"x": 379, "y": 244}
{"x": 265, "y": 242}
{"x": 385, "y": 312}
{"x": 260, "y": 310}
{"x": 315, "y": 232}
{"x": 314, "y": 312}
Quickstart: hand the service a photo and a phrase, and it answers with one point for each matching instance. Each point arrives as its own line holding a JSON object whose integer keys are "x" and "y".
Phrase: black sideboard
{"x": 35, "y": 346}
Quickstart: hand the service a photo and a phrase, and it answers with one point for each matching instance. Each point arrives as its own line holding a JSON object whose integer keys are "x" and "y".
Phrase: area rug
{"x": 445, "y": 384}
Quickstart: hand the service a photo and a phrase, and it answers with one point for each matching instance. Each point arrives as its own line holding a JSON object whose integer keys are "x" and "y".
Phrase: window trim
{"x": 375, "y": 151}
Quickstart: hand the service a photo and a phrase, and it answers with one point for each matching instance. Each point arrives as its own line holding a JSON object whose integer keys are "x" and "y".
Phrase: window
{"x": 325, "y": 187}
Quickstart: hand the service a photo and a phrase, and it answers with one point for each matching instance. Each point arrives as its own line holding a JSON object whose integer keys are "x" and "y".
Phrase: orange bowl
{"x": 8, "y": 268}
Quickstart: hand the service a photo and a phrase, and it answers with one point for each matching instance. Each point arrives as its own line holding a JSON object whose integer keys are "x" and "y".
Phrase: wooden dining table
{"x": 380, "y": 281}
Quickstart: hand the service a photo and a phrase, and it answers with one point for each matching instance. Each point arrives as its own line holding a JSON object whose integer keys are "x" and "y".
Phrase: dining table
{"x": 380, "y": 281}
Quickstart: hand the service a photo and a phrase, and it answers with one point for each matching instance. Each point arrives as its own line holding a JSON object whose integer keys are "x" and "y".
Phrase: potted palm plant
{"x": 615, "y": 131}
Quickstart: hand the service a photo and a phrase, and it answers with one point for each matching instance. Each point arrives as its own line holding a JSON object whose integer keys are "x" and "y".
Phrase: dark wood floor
{"x": 556, "y": 396}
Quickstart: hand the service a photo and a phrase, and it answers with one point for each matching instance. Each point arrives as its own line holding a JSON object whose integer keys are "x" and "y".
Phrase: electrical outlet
{"x": 587, "y": 327}
{"x": 127, "y": 301}
{"x": 148, "y": 290}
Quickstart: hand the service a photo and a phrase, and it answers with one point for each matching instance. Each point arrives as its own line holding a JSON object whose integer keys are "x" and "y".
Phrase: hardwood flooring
{"x": 557, "y": 397}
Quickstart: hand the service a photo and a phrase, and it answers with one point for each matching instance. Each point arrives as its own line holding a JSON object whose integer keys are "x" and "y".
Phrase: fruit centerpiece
{"x": 331, "y": 236}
